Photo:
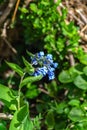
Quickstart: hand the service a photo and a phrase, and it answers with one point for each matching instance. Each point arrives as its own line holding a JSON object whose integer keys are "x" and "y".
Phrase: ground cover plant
{"x": 43, "y": 80}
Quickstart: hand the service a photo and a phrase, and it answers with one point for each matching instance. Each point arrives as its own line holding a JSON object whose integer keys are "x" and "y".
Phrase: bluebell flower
{"x": 44, "y": 65}
{"x": 55, "y": 65}
{"x": 51, "y": 68}
{"x": 34, "y": 61}
{"x": 49, "y": 57}
{"x": 41, "y": 71}
{"x": 37, "y": 73}
{"x": 40, "y": 54}
{"x": 51, "y": 75}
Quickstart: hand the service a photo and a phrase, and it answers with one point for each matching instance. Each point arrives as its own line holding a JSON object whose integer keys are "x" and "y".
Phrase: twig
{"x": 77, "y": 19}
{"x": 59, "y": 10}
{"x": 84, "y": 28}
{"x": 67, "y": 4}
{"x": 71, "y": 59}
{"x": 5, "y": 116}
{"x": 9, "y": 45}
{"x": 4, "y": 35}
{"x": 72, "y": 15}
{"x": 83, "y": 36}
{"x": 7, "y": 11}
{"x": 82, "y": 16}
{"x": 15, "y": 11}
{"x": 4, "y": 31}
{"x": 44, "y": 91}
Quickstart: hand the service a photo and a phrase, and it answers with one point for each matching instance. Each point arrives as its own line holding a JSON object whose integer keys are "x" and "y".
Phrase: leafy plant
{"x": 46, "y": 26}
{"x": 14, "y": 99}
{"x": 42, "y": 98}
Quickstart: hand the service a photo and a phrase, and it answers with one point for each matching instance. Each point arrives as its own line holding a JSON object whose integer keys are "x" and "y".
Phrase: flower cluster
{"x": 44, "y": 65}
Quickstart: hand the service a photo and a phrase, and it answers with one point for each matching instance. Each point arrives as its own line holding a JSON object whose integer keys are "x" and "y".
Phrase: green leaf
{"x": 60, "y": 125}
{"x": 52, "y": 88}
{"x": 16, "y": 68}
{"x": 83, "y": 59}
{"x": 8, "y": 97}
{"x": 2, "y": 126}
{"x": 29, "y": 67}
{"x": 45, "y": 3}
{"x": 74, "y": 102}
{"x": 74, "y": 72}
{"x": 65, "y": 77}
{"x": 30, "y": 79}
{"x": 80, "y": 82}
{"x": 84, "y": 106}
{"x": 30, "y": 54}
{"x": 24, "y": 10}
{"x": 21, "y": 120}
{"x": 33, "y": 7}
{"x": 32, "y": 93}
{"x": 60, "y": 107}
{"x": 36, "y": 23}
{"x": 85, "y": 70}
{"x": 37, "y": 122}
{"x": 50, "y": 121}
{"x": 81, "y": 126}
{"x": 40, "y": 12}
{"x": 76, "y": 114}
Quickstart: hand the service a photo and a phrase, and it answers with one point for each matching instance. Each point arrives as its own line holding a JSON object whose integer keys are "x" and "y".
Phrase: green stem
{"x": 19, "y": 92}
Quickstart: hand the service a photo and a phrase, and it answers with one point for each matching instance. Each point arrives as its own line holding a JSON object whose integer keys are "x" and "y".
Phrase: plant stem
{"x": 15, "y": 11}
{"x": 19, "y": 92}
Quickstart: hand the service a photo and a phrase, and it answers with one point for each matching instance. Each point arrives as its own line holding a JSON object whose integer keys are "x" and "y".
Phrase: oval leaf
{"x": 76, "y": 114}
{"x": 80, "y": 82}
{"x": 67, "y": 76}
{"x": 64, "y": 77}
{"x": 30, "y": 80}
{"x": 74, "y": 102}
{"x": 16, "y": 68}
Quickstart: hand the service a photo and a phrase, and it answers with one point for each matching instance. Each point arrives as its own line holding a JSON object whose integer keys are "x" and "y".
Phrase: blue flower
{"x": 55, "y": 65}
{"x": 40, "y": 54}
{"x": 44, "y": 65}
{"x": 51, "y": 75}
{"x": 51, "y": 68}
{"x": 34, "y": 61}
{"x": 41, "y": 71}
{"x": 49, "y": 57}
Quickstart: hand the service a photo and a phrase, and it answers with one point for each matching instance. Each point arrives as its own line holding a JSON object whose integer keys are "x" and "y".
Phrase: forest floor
{"x": 77, "y": 12}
